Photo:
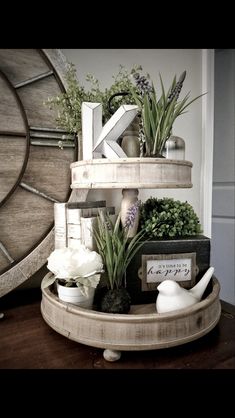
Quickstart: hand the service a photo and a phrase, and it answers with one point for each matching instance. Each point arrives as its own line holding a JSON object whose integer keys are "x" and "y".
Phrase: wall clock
{"x": 34, "y": 171}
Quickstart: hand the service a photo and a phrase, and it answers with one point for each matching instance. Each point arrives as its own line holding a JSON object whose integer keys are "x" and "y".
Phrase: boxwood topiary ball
{"x": 168, "y": 218}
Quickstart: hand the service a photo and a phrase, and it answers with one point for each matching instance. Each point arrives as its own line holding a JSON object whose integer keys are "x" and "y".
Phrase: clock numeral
{"x": 33, "y": 79}
{"x": 6, "y": 253}
{"x": 50, "y": 137}
{"x": 37, "y": 192}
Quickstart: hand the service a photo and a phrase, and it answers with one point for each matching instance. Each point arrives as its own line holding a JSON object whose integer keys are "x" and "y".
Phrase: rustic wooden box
{"x": 196, "y": 249}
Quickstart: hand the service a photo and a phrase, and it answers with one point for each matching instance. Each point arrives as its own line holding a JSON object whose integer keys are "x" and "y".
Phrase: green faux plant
{"x": 68, "y": 105}
{"x": 159, "y": 111}
{"x": 168, "y": 218}
{"x": 117, "y": 250}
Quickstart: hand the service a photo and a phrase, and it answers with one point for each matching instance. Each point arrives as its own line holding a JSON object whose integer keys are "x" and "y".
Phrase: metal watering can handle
{"x": 121, "y": 93}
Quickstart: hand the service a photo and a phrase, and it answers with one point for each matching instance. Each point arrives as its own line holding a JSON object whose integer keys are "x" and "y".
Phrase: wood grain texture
{"x": 21, "y": 64}
{"x": 33, "y": 96}
{"x": 48, "y": 170}
{"x": 12, "y": 156}
{"x": 27, "y": 218}
{"x": 24, "y": 219}
{"x": 27, "y": 342}
{"x": 25, "y": 268}
{"x": 10, "y": 115}
{"x": 142, "y": 329}
{"x": 4, "y": 262}
{"x": 143, "y": 173}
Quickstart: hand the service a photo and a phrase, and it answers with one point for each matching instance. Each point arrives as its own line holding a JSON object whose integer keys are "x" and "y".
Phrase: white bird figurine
{"x": 172, "y": 296}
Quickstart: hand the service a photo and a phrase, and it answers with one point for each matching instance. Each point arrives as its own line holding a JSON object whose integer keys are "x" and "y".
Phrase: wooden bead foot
{"x": 112, "y": 355}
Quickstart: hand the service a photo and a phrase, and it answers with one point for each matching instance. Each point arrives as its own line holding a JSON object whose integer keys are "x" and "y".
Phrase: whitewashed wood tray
{"x": 142, "y": 173}
{"x": 142, "y": 329}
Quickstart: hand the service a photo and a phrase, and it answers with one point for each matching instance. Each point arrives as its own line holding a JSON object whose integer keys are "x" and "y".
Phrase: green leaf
{"x": 163, "y": 92}
{"x": 48, "y": 280}
{"x": 193, "y": 100}
{"x": 146, "y": 119}
{"x": 171, "y": 88}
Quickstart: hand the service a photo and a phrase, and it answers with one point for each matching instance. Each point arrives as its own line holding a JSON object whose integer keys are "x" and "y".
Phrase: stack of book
{"x": 75, "y": 222}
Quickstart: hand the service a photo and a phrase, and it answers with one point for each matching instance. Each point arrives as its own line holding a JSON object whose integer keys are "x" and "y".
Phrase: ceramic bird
{"x": 172, "y": 296}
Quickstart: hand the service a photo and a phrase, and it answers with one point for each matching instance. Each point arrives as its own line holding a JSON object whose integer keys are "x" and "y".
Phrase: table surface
{"x": 27, "y": 342}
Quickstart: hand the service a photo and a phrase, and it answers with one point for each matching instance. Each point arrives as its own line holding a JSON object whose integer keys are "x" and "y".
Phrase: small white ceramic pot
{"x": 74, "y": 295}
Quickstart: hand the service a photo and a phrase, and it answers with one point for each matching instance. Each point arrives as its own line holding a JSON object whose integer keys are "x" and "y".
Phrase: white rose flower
{"x": 70, "y": 263}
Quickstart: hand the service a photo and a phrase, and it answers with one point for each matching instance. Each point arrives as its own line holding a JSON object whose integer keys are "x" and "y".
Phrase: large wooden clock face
{"x": 34, "y": 171}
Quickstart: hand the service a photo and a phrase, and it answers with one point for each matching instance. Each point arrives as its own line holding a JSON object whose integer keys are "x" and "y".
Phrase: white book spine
{"x": 74, "y": 231}
{"x": 74, "y": 216}
{"x": 60, "y": 225}
{"x": 74, "y": 243}
{"x": 87, "y": 226}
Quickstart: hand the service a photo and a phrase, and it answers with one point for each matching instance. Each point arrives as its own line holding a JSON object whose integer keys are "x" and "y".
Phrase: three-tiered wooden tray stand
{"x": 143, "y": 328}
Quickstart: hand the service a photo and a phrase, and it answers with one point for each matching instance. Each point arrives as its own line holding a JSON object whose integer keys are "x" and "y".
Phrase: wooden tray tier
{"x": 133, "y": 173}
{"x": 142, "y": 329}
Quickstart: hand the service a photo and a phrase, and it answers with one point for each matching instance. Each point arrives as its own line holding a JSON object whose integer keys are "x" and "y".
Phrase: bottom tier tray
{"x": 142, "y": 329}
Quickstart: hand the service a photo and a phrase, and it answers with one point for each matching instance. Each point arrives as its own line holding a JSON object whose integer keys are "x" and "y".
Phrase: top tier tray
{"x": 133, "y": 173}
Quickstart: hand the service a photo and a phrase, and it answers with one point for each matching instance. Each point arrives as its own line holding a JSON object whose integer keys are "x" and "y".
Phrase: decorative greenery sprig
{"x": 159, "y": 112}
{"x": 115, "y": 248}
{"x": 68, "y": 104}
{"x": 168, "y": 218}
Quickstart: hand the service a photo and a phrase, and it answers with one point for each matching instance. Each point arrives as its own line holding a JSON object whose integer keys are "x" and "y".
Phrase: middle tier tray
{"x": 134, "y": 173}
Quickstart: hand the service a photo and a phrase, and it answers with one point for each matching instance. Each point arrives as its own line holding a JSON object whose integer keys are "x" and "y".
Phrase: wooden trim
{"x": 207, "y": 140}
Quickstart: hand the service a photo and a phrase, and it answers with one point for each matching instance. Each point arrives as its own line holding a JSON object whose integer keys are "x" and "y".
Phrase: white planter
{"x": 74, "y": 295}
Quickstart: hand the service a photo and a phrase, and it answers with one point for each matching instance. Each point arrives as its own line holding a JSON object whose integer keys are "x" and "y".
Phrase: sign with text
{"x": 158, "y": 267}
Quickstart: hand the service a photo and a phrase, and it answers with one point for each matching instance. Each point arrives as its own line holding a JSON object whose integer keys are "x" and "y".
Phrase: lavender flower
{"x": 143, "y": 84}
{"x": 106, "y": 220}
{"x": 131, "y": 214}
{"x": 177, "y": 89}
{"x": 141, "y": 137}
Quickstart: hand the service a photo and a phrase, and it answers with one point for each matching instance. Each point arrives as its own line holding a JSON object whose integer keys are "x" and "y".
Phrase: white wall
{"x": 103, "y": 63}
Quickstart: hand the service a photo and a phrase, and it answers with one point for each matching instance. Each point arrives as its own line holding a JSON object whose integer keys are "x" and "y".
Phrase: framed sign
{"x": 158, "y": 267}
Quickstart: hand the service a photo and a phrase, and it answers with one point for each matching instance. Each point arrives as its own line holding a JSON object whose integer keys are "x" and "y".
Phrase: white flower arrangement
{"x": 80, "y": 267}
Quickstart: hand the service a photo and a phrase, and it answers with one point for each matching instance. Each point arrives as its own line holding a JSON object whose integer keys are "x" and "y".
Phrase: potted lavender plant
{"x": 158, "y": 112}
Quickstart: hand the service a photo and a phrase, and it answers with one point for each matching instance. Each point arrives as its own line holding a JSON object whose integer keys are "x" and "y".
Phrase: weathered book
{"x": 75, "y": 212}
{"x": 74, "y": 242}
{"x": 88, "y": 225}
{"x": 60, "y": 222}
